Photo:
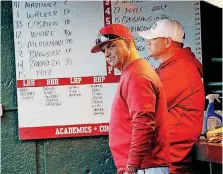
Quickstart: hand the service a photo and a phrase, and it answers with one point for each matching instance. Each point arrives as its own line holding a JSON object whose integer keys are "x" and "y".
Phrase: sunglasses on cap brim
{"x": 103, "y": 38}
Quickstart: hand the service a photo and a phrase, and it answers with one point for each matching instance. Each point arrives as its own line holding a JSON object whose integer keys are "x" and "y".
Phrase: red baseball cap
{"x": 110, "y": 33}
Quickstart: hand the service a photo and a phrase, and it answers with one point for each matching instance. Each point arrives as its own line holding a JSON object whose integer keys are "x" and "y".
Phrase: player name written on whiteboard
{"x": 40, "y": 4}
{"x": 48, "y": 43}
{"x": 74, "y": 91}
{"x": 42, "y": 24}
{"x": 97, "y": 100}
{"x": 26, "y": 94}
{"x": 51, "y": 96}
{"x": 39, "y": 14}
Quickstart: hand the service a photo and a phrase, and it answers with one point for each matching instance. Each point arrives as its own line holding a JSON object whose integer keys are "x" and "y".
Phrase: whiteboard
{"x": 63, "y": 90}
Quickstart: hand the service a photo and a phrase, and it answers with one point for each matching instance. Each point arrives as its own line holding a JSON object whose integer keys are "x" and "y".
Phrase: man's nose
{"x": 107, "y": 53}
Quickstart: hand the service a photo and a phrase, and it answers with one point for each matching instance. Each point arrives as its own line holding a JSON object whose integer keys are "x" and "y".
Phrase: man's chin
{"x": 112, "y": 65}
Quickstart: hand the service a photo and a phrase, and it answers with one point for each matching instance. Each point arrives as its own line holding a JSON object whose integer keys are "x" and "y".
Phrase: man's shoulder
{"x": 142, "y": 73}
{"x": 140, "y": 68}
{"x": 178, "y": 66}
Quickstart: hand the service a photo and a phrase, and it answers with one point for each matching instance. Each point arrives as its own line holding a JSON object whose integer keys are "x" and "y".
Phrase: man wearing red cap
{"x": 138, "y": 134}
{"x": 180, "y": 73}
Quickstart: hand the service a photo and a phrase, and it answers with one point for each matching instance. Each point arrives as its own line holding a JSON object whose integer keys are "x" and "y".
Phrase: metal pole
{"x": 210, "y": 167}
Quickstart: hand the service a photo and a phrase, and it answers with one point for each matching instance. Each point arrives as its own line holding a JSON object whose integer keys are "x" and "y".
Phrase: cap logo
{"x": 154, "y": 26}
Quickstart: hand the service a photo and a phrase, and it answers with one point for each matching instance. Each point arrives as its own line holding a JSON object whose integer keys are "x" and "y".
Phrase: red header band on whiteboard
{"x": 80, "y": 130}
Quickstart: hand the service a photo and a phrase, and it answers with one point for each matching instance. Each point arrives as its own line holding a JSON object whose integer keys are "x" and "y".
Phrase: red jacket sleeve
{"x": 140, "y": 96}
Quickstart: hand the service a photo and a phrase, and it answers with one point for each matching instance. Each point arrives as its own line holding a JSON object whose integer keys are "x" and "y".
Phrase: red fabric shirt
{"x": 181, "y": 78}
{"x": 138, "y": 132}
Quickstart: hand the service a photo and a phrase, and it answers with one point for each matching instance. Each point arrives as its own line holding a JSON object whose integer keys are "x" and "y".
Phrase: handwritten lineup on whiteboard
{"x": 64, "y": 90}
{"x": 39, "y": 49}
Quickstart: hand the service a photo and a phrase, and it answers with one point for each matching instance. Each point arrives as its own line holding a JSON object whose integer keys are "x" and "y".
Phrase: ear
{"x": 169, "y": 42}
{"x": 128, "y": 43}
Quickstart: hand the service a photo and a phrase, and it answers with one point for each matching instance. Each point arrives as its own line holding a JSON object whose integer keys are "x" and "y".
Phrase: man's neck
{"x": 132, "y": 57}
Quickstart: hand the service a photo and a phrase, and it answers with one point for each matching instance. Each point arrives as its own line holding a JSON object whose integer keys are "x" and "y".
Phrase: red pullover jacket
{"x": 181, "y": 78}
{"x": 138, "y": 132}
